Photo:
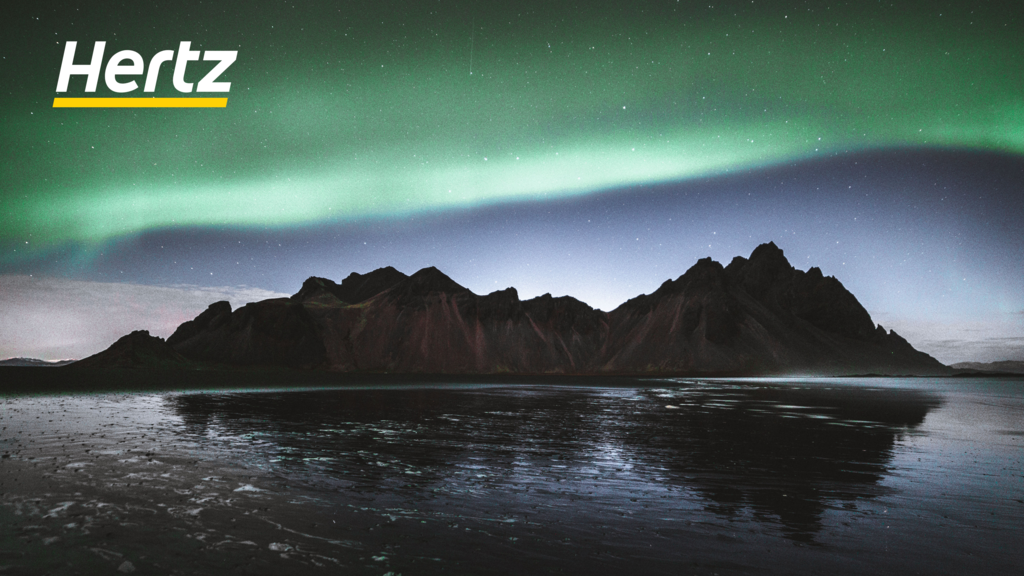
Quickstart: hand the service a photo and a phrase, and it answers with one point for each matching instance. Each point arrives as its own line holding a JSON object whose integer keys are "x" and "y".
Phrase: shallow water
{"x": 808, "y": 476}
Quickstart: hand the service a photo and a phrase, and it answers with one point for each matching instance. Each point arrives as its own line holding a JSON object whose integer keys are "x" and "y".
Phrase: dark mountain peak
{"x": 379, "y": 273}
{"x": 136, "y": 350}
{"x": 545, "y": 300}
{"x": 502, "y": 304}
{"x": 357, "y": 288}
{"x": 433, "y": 280}
{"x": 277, "y": 331}
{"x": 354, "y": 289}
{"x": 414, "y": 290}
{"x": 705, "y": 274}
{"x": 737, "y": 264}
{"x": 705, "y": 268}
{"x": 429, "y": 271}
{"x": 218, "y": 308}
{"x": 788, "y": 295}
{"x": 564, "y": 313}
{"x": 213, "y": 317}
{"x": 143, "y": 336}
{"x": 316, "y": 288}
{"x": 365, "y": 286}
{"x": 768, "y": 252}
{"x": 509, "y": 293}
{"x": 548, "y": 300}
{"x": 315, "y": 282}
{"x": 766, "y": 275}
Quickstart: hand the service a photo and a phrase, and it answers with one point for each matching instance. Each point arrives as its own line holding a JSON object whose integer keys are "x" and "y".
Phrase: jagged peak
{"x": 317, "y": 281}
{"x": 704, "y": 268}
{"x": 542, "y": 307}
{"x": 509, "y": 292}
{"x": 383, "y": 278}
{"x": 736, "y": 263}
{"x": 768, "y": 252}
{"x": 355, "y": 288}
{"x": 138, "y": 335}
{"x": 706, "y": 263}
{"x": 386, "y": 272}
{"x": 766, "y": 266}
{"x": 429, "y": 280}
{"x": 756, "y": 315}
{"x": 316, "y": 288}
{"x": 547, "y": 297}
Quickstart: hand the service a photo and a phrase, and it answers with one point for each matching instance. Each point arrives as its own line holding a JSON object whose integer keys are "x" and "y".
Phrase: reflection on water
{"x": 717, "y": 476}
{"x": 786, "y": 453}
{"x": 783, "y": 452}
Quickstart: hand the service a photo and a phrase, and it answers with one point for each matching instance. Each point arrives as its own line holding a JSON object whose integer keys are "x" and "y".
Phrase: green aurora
{"x": 335, "y": 116}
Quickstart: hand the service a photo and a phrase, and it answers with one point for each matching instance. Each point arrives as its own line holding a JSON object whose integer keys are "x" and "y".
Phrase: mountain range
{"x": 34, "y": 363}
{"x": 755, "y": 316}
{"x": 1003, "y": 366}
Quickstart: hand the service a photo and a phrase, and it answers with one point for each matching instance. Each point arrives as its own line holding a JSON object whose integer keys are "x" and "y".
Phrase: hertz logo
{"x": 127, "y": 64}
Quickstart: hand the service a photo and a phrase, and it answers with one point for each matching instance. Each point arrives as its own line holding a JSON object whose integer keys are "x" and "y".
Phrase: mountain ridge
{"x": 34, "y": 362}
{"x": 1001, "y": 366}
{"x": 756, "y": 316}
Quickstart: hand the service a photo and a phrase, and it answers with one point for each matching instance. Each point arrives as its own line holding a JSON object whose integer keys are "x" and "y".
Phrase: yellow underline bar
{"x": 140, "y": 102}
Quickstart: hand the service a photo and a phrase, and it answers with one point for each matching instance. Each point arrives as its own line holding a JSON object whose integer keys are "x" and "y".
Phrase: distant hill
{"x": 33, "y": 362}
{"x": 136, "y": 350}
{"x": 1008, "y": 366}
{"x": 756, "y": 316}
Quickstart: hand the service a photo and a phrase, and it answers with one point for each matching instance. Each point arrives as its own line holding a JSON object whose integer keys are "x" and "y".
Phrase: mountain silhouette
{"x": 756, "y": 316}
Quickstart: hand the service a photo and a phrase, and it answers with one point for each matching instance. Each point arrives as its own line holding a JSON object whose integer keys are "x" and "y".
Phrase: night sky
{"x": 593, "y": 149}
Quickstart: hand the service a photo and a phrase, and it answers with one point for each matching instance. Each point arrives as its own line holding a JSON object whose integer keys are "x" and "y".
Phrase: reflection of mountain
{"x": 785, "y": 454}
{"x": 362, "y": 440}
{"x": 755, "y": 316}
{"x": 370, "y": 440}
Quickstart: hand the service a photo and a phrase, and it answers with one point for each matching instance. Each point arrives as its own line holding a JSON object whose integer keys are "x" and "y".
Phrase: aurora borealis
{"x": 365, "y": 134}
